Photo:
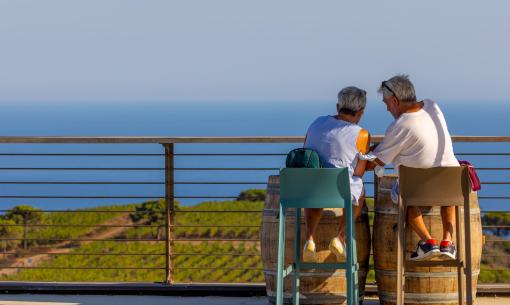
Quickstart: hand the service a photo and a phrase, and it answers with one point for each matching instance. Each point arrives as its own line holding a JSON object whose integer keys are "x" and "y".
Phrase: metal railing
{"x": 169, "y": 172}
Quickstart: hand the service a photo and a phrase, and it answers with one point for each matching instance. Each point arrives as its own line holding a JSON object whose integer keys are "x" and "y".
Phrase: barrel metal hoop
{"x": 292, "y": 213}
{"x": 393, "y": 273}
{"x": 315, "y": 298}
{"x": 422, "y": 298}
{"x": 432, "y": 212}
{"x": 383, "y": 190}
{"x": 337, "y": 273}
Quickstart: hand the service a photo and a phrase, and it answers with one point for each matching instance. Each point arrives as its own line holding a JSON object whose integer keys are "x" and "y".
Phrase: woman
{"x": 338, "y": 139}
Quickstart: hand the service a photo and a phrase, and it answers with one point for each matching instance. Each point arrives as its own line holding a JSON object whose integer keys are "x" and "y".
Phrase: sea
{"x": 211, "y": 118}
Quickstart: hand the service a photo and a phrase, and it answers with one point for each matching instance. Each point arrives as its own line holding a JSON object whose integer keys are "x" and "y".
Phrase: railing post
{"x": 169, "y": 212}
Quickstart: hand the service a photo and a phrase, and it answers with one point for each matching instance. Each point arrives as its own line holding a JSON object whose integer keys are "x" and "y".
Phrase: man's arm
{"x": 395, "y": 139}
{"x": 388, "y": 149}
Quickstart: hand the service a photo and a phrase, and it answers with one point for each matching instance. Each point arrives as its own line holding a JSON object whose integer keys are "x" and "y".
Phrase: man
{"x": 338, "y": 139}
{"x": 418, "y": 138}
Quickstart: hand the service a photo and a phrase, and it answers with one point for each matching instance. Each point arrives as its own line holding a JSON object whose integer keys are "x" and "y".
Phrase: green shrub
{"x": 252, "y": 195}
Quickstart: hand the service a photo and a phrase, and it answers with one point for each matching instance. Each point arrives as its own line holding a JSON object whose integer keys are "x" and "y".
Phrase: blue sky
{"x": 263, "y": 51}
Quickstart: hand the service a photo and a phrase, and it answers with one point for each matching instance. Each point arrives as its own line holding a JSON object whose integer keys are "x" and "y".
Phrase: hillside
{"x": 217, "y": 261}
{"x": 203, "y": 252}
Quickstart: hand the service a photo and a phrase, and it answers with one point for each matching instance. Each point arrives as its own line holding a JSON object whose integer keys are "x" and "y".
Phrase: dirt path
{"x": 64, "y": 247}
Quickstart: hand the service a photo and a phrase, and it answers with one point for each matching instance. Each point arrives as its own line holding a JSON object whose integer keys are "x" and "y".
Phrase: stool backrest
{"x": 315, "y": 187}
{"x": 437, "y": 186}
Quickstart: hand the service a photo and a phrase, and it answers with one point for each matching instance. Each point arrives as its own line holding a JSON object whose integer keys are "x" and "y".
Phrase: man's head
{"x": 398, "y": 94}
{"x": 352, "y": 102}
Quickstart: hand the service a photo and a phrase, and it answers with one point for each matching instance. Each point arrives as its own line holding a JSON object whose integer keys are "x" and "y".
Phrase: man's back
{"x": 418, "y": 139}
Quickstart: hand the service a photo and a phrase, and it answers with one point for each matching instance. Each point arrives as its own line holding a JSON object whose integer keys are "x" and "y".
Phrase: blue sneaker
{"x": 425, "y": 250}
{"x": 447, "y": 249}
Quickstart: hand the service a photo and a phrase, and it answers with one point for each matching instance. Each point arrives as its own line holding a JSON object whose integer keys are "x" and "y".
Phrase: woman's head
{"x": 352, "y": 102}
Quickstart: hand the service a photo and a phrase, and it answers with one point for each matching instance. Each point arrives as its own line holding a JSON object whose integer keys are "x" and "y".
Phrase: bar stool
{"x": 315, "y": 188}
{"x": 438, "y": 186}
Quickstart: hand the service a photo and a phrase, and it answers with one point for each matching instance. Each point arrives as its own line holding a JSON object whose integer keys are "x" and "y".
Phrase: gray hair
{"x": 352, "y": 99}
{"x": 402, "y": 87}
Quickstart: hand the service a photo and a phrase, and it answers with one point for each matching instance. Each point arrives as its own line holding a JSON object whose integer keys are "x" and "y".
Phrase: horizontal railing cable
{"x": 183, "y": 168}
{"x": 81, "y": 268}
{"x": 88, "y": 254}
{"x": 80, "y": 225}
{"x": 137, "y": 254}
{"x": 141, "y": 168}
{"x": 84, "y": 239}
{"x": 217, "y": 268}
{"x": 82, "y": 155}
{"x": 84, "y": 211}
{"x": 126, "y": 225}
{"x": 79, "y": 182}
{"x": 131, "y": 239}
{"x": 187, "y": 211}
{"x": 87, "y": 197}
{"x": 181, "y": 182}
{"x": 200, "y": 154}
{"x": 157, "y": 196}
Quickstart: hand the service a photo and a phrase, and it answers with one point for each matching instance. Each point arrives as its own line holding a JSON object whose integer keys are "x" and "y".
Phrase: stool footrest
{"x": 325, "y": 266}
{"x": 452, "y": 263}
{"x": 322, "y": 266}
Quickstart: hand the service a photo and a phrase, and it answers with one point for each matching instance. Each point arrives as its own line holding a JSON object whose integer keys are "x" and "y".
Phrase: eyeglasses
{"x": 389, "y": 89}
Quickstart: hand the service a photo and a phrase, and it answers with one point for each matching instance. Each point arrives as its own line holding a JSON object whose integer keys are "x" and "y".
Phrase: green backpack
{"x": 303, "y": 158}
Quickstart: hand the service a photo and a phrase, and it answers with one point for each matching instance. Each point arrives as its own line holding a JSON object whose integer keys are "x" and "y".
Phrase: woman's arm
{"x": 362, "y": 144}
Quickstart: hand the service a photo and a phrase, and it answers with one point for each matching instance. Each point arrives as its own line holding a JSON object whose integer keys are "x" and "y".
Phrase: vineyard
{"x": 215, "y": 242}
{"x": 37, "y": 228}
{"x": 128, "y": 260}
{"x": 148, "y": 264}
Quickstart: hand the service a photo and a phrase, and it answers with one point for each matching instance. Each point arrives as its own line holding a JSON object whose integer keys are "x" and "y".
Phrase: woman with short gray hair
{"x": 338, "y": 139}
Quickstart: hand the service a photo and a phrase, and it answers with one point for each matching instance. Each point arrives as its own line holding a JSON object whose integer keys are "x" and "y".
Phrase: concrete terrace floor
{"x": 46, "y": 299}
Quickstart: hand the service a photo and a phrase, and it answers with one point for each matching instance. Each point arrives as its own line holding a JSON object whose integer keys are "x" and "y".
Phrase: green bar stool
{"x": 315, "y": 188}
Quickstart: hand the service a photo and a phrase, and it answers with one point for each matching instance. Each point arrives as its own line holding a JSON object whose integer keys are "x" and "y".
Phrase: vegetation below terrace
{"x": 136, "y": 253}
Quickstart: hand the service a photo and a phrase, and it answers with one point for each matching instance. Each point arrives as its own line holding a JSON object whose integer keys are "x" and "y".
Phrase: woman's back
{"x": 334, "y": 140}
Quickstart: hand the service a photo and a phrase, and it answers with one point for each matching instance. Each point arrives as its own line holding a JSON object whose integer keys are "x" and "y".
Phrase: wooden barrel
{"x": 432, "y": 285}
{"x": 317, "y": 286}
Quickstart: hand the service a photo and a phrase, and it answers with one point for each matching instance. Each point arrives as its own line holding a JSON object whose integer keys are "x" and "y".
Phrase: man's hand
{"x": 370, "y": 166}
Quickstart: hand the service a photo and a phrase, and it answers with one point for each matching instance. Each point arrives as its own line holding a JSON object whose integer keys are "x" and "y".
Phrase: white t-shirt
{"x": 335, "y": 142}
{"x": 418, "y": 139}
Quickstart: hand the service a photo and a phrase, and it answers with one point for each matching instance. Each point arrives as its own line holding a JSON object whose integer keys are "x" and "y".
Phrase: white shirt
{"x": 335, "y": 142}
{"x": 418, "y": 139}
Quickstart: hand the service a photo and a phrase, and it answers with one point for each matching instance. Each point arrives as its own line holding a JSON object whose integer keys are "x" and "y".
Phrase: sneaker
{"x": 447, "y": 249}
{"x": 309, "y": 252}
{"x": 425, "y": 250}
{"x": 337, "y": 247}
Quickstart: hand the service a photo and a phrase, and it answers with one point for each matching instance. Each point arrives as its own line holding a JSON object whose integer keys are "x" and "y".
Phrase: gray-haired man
{"x": 417, "y": 138}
